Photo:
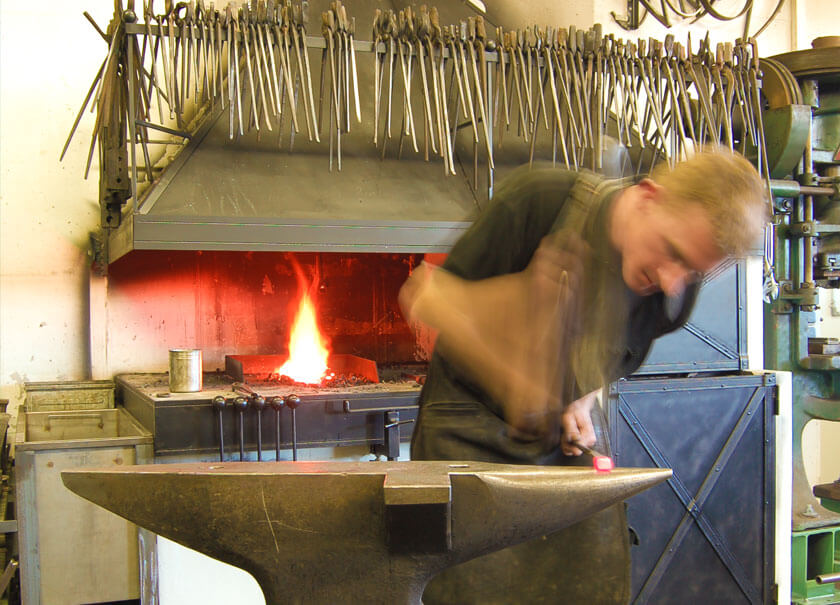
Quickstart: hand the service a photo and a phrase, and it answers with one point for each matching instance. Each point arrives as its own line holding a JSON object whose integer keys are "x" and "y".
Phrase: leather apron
{"x": 588, "y": 562}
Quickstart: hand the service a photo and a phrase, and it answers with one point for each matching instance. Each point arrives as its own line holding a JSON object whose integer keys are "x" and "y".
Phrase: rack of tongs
{"x": 574, "y": 86}
{"x": 566, "y": 87}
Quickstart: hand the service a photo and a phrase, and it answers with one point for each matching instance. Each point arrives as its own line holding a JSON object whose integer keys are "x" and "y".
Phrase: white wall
{"x": 812, "y": 19}
{"x": 48, "y": 57}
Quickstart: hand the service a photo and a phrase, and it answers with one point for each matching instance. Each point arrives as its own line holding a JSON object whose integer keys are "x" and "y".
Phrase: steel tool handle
{"x": 391, "y": 425}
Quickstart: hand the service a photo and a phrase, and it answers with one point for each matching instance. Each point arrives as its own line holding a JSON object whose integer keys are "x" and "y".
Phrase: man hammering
{"x": 560, "y": 287}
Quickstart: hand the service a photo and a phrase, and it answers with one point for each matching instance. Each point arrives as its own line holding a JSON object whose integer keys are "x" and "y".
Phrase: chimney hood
{"x": 255, "y": 194}
{"x": 249, "y": 195}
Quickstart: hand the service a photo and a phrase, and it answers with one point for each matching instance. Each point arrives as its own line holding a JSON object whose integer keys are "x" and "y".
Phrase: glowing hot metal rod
{"x": 366, "y": 532}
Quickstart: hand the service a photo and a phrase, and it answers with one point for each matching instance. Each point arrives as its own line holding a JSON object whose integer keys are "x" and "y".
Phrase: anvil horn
{"x": 366, "y": 532}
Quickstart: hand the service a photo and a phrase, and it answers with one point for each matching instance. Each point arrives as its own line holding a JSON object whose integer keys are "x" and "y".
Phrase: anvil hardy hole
{"x": 418, "y": 528}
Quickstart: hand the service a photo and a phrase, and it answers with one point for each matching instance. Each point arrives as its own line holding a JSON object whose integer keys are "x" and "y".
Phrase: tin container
{"x": 185, "y": 370}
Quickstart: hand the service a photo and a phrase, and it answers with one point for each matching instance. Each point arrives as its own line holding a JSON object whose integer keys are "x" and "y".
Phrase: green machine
{"x": 802, "y": 126}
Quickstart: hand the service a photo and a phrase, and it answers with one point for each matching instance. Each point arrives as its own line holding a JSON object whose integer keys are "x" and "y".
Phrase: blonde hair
{"x": 728, "y": 187}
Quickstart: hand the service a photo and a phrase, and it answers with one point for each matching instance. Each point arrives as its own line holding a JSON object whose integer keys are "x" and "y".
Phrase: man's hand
{"x": 426, "y": 294}
{"x": 577, "y": 424}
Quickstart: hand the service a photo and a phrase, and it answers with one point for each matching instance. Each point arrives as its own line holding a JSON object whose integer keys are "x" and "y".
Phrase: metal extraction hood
{"x": 253, "y": 193}
{"x": 249, "y": 195}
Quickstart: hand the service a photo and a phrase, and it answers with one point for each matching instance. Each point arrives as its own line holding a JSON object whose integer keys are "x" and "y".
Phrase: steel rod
{"x": 806, "y": 190}
{"x": 179, "y": 133}
{"x": 221, "y": 438}
{"x": 294, "y": 436}
{"x": 808, "y": 208}
{"x": 132, "y": 120}
{"x": 360, "y": 46}
{"x": 828, "y": 578}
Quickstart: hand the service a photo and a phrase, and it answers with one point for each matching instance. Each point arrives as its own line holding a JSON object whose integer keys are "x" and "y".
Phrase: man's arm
{"x": 511, "y": 335}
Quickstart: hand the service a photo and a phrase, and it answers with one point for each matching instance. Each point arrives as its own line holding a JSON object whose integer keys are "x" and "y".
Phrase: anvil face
{"x": 372, "y": 532}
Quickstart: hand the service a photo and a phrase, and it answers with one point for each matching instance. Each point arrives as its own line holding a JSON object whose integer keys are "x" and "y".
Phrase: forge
{"x": 343, "y": 370}
{"x": 245, "y": 309}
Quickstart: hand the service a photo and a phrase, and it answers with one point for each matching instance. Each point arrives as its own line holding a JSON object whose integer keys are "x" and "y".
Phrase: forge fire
{"x": 308, "y": 352}
{"x": 309, "y": 355}
{"x": 310, "y": 362}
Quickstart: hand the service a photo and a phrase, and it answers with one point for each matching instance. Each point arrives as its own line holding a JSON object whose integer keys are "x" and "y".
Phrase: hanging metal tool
{"x": 378, "y": 67}
{"x": 440, "y": 51}
{"x": 476, "y": 45}
{"x": 291, "y": 27}
{"x": 405, "y": 23}
{"x": 578, "y": 84}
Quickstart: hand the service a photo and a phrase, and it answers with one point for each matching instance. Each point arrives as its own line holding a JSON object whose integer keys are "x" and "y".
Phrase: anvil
{"x": 353, "y": 532}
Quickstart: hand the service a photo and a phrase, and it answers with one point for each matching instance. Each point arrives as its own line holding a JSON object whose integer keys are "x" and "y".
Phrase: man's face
{"x": 666, "y": 250}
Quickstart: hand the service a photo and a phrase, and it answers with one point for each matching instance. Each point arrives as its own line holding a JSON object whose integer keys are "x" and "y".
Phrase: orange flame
{"x": 307, "y": 349}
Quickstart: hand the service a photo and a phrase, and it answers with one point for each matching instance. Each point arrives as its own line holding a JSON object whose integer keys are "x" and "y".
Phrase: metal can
{"x": 185, "y": 370}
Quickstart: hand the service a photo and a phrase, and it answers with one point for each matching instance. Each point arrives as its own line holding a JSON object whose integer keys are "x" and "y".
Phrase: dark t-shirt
{"x": 528, "y": 206}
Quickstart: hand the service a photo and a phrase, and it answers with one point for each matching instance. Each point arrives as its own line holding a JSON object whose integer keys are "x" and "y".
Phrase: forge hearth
{"x": 240, "y": 309}
{"x": 186, "y": 423}
{"x": 347, "y": 370}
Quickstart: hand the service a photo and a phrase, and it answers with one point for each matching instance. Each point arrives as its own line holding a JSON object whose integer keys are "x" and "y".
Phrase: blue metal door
{"x": 705, "y": 536}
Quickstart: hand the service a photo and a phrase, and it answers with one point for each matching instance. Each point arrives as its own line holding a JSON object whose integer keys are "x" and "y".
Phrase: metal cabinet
{"x": 714, "y": 338}
{"x": 72, "y": 551}
{"x": 707, "y": 535}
